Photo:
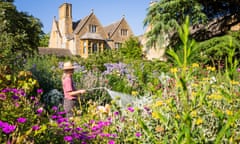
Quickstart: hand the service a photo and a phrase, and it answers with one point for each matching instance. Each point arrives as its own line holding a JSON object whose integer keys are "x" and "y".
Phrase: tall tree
{"x": 165, "y": 16}
{"x": 20, "y": 34}
{"x": 131, "y": 49}
{"x": 44, "y": 39}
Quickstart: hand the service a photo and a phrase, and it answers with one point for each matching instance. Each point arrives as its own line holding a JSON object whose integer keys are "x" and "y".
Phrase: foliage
{"x": 165, "y": 16}
{"x": 19, "y": 35}
{"x": 22, "y": 80}
{"x": 131, "y": 49}
{"x": 97, "y": 60}
{"x": 44, "y": 40}
{"x": 44, "y": 69}
{"x": 188, "y": 52}
{"x": 214, "y": 51}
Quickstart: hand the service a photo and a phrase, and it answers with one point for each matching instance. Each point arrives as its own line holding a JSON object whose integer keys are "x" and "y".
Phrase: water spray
{"x": 97, "y": 88}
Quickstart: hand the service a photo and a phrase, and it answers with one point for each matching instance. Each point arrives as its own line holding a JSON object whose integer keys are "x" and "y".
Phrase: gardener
{"x": 70, "y": 93}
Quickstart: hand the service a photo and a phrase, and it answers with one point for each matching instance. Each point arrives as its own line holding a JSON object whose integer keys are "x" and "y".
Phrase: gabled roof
{"x": 110, "y": 29}
{"x": 82, "y": 23}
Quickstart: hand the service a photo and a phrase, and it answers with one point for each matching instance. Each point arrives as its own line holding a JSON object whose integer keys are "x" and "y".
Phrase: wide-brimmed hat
{"x": 68, "y": 66}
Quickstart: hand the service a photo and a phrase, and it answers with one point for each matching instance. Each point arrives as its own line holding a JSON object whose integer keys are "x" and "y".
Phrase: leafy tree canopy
{"x": 165, "y": 16}
{"x": 44, "y": 39}
{"x": 20, "y": 34}
{"x": 131, "y": 49}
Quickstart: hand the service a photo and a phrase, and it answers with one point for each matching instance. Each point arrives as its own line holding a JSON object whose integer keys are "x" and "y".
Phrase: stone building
{"x": 87, "y": 35}
{"x": 155, "y": 52}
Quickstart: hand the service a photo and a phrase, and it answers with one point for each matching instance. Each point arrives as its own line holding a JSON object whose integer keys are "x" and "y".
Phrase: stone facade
{"x": 87, "y": 35}
{"x": 155, "y": 51}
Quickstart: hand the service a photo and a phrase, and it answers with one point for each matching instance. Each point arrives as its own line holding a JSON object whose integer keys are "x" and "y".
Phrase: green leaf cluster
{"x": 19, "y": 35}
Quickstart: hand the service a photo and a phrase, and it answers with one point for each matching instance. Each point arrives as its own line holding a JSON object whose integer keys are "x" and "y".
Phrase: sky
{"x": 107, "y": 11}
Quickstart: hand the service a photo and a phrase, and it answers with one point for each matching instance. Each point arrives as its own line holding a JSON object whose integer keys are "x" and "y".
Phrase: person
{"x": 70, "y": 93}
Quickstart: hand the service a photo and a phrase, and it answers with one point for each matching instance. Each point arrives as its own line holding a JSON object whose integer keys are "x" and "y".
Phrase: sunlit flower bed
{"x": 201, "y": 106}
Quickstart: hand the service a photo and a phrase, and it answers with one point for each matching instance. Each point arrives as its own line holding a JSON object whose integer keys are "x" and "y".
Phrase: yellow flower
{"x": 231, "y": 140}
{"x": 234, "y": 82}
{"x": 173, "y": 70}
{"x": 205, "y": 79}
{"x": 158, "y": 103}
{"x": 215, "y": 96}
{"x": 195, "y": 65}
{"x": 155, "y": 115}
{"x": 199, "y": 121}
{"x": 134, "y": 93}
{"x": 177, "y": 116}
{"x": 194, "y": 113}
{"x": 194, "y": 85}
{"x": 211, "y": 68}
{"x": 194, "y": 94}
{"x": 229, "y": 113}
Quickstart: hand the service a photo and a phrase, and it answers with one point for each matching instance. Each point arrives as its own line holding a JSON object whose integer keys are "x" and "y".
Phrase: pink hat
{"x": 68, "y": 65}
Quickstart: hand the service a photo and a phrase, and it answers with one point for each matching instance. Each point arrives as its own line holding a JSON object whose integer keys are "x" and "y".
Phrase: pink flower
{"x": 238, "y": 70}
{"x": 21, "y": 120}
{"x": 39, "y": 91}
{"x": 131, "y": 109}
{"x": 138, "y": 134}
{"x": 40, "y": 110}
{"x": 68, "y": 138}
{"x": 35, "y": 127}
{"x": 111, "y": 142}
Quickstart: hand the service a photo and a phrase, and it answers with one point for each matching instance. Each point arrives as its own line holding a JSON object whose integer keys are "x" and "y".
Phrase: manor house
{"x": 87, "y": 35}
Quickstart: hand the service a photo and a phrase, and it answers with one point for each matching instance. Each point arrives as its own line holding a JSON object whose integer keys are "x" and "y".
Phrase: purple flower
{"x": 61, "y": 113}
{"x": 2, "y": 124}
{"x": 15, "y": 97}
{"x": 54, "y": 108}
{"x": 68, "y": 138}
{"x": 35, "y": 127}
{"x": 131, "y": 109}
{"x": 79, "y": 128}
{"x": 40, "y": 110}
{"x": 32, "y": 98}
{"x": 16, "y": 104}
{"x": 54, "y": 117}
{"x": 7, "y": 128}
{"x": 39, "y": 91}
{"x": 116, "y": 113}
{"x": 138, "y": 134}
{"x": 3, "y": 96}
{"x": 111, "y": 142}
{"x": 114, "y": 135}
{"x": 21, "y": 120}
{"x": 238, "y": 70}
{"x": 61, "y": 120}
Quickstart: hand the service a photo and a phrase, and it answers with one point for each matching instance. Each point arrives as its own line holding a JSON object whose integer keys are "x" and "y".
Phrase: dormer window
{"x": 124, "y": 32}
{"x": 92, "y": 28}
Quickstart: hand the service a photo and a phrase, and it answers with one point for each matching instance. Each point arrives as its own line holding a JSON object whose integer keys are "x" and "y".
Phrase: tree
{"x": 44, "y": 39}
{"x": 131, "y": 49}
{"x": 20, "y": 35}
{"x": 166, "y": 16}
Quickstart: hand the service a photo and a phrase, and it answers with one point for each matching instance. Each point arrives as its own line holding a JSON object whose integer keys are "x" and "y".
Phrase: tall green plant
{"x": 187, "y": 52}
{"x": 182, "y": 59}
{"x": 231, "y": 62}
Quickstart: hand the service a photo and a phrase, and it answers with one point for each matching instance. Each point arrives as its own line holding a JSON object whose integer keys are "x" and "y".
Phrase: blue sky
{"x": 107, "y": 11}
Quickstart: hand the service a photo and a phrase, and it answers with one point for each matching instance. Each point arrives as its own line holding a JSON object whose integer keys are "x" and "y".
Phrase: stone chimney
{"x": 65, "y": 19}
